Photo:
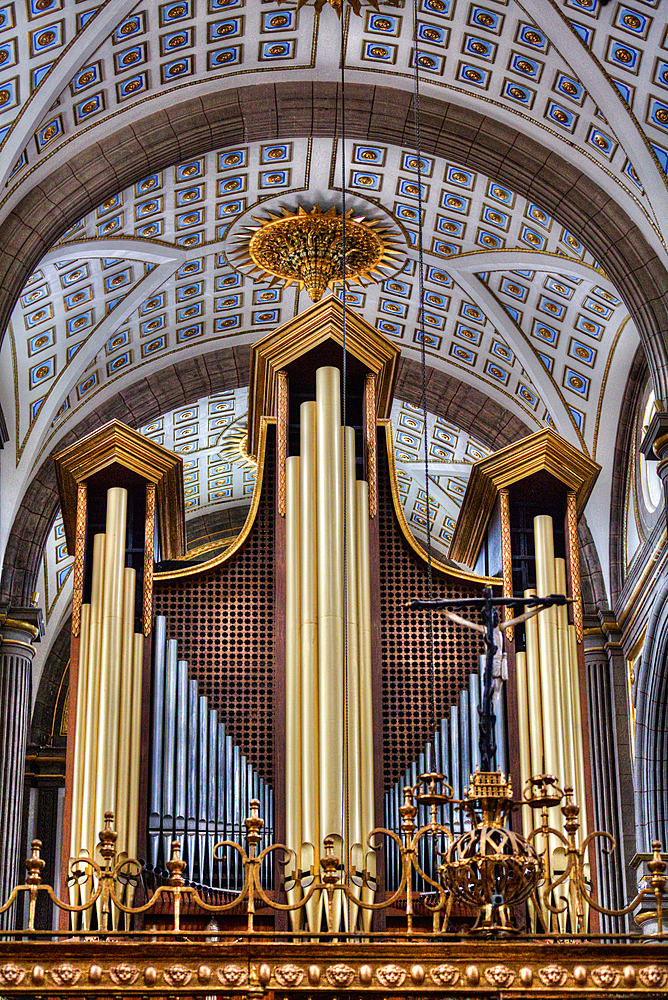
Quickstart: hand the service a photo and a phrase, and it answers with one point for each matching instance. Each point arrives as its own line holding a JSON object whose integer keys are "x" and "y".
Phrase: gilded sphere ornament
{"x": 491, "y": 868}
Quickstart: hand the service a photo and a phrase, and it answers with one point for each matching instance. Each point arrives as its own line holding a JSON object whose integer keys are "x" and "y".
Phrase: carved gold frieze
{"x": 490, "y": 967}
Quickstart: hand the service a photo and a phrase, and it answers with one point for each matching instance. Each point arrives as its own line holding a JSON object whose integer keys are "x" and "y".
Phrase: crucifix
{"x": 488, "y": 605}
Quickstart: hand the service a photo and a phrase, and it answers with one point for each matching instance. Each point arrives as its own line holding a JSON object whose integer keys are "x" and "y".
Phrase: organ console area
{"x": 288, "y": 669}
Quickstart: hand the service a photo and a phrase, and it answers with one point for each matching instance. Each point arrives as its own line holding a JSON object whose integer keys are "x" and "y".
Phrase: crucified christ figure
{"x": 488, "y": 605}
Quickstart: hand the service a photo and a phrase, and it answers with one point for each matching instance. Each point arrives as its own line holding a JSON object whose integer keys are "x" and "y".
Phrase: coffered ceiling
{"x": 515, "y": 305}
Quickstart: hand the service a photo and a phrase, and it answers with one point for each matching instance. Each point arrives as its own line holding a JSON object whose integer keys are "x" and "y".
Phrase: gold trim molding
{"x": 116, "y": 444}
{"x": 234, "y": 547}
{"x": 322, "y": 322}
{"x": 248, "y": 968}
{"x": 544, "y": 451}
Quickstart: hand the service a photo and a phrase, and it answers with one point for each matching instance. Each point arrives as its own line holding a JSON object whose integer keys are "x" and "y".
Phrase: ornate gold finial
{"x": 355, "y": 5}
{"x": 35, "y": 864}
{"x": 307, "y": 248}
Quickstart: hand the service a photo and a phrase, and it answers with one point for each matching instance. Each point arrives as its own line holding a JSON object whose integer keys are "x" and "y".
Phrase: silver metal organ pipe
{"x": 203, "y": 726}
{"x": 169, "y": 737}
{"x": 191, "y": 805}
{"x": 155, "y": 791}
{"x": 455, "y": 773}
{"x": 464, "y": 737}
{"x": 181, "y": 749}
{"x": 212, "y": 803}
{"x": 474, "y": 703}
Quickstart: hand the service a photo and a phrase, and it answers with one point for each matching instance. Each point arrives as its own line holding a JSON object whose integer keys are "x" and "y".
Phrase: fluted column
{"x": 611, "y": 767}
{"x": 19, "y": 629}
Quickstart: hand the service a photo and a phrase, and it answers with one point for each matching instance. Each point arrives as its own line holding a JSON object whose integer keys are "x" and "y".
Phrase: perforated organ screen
{"x": 223, "y": 620}
{"x": 404, "y": 641}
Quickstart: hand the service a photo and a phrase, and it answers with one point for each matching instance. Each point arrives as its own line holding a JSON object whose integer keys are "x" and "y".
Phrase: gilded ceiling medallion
{"x": 355, "y": 5}
{"x": 308, "y": 248}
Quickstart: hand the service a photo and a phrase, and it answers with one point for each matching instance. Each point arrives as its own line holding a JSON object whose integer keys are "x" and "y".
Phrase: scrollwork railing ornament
{"x": 489, "y": 869}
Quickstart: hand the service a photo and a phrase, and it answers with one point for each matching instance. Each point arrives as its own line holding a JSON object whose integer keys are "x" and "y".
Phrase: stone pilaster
{"x": 612, "y": 777}
{"x": 19, "y": 629}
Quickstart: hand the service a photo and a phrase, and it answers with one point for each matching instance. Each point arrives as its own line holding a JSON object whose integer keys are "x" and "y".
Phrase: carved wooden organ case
{"x": 289, "y": 669}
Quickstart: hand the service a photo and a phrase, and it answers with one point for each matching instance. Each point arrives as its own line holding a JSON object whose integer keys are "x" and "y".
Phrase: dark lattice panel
{"x": 404, "y": 644}
{"x": 223, "y": 620}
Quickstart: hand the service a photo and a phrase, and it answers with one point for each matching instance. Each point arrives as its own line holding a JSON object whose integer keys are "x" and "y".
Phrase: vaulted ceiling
{"x": 137, "y": 139}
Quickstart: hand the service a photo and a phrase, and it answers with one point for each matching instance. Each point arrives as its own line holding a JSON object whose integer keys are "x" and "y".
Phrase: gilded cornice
{"x": 116, "y": 444}
{"x": 322, "y": 322}
{"x": 544, "y": 451}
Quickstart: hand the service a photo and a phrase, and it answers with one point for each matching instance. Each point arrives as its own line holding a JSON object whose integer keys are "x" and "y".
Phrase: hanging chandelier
{"x": 311, "y": 248}
{"x": 355, "y": 5}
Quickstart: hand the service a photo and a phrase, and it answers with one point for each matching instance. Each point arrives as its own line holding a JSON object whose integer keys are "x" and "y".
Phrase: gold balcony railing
{"x": 489, "y": 871}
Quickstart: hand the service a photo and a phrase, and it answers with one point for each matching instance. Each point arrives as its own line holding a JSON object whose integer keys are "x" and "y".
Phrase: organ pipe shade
{"x": 109, "y": 682}
{"x": 328, "y": 660}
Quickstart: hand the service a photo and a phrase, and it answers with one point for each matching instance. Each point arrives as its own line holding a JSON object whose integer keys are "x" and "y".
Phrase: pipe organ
{"x": 288, "y": 668}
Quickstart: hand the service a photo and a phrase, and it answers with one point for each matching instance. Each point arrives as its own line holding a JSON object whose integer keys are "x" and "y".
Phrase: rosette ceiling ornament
{"x": 355, "y": 5}
{"x": 309, "y": 248}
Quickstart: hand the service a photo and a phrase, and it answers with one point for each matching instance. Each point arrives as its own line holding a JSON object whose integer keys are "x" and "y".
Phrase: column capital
{"x": 20, "y": 627}
{"x": 654, "y": 444}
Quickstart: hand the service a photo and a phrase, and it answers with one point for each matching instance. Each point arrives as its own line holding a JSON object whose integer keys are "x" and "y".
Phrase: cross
{"x": 488, "y": 605}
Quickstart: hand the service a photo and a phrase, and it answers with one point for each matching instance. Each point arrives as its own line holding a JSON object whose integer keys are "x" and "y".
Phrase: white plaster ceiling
{"x": 514, "y": 305}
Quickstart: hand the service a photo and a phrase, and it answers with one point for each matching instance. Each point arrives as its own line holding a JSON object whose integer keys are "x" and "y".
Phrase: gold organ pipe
{"x": 354, "y": 835}
{"x": 534, "y": 694}
{"x": 523, "y": 724}
{"x": 135, "y": 743}
{"x": 310, "y": 727}
{"x": 80, "y": 730}
{"x": 571, "y": 737}
{"x": 329, "y": 495}
{"x": 88, "y": 831}
{"x": 111, "y": 641}
{"x": 365, "y": 686}
{"x": 122, "y": 805}
{"x": 574, "y": 684}
{"x": 135, "y": 754}
{"x": 366, "y": 693}
{"x": 548, "y": 645}
{"x": 293, "y": 777}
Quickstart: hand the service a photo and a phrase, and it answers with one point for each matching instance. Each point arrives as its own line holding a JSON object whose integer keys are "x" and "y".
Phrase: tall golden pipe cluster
{"x": 548, "y": 687}
{"x": 108, "y": 713}
{"x": 329, "y": 737}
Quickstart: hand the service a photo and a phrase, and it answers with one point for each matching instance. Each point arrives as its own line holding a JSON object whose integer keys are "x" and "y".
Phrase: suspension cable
{"x": 344, "y": 395}
{"x": 423, "y": 364}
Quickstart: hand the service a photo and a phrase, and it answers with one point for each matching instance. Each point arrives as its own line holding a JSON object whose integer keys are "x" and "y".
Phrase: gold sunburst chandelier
{"x": 355, "y": 5}
{"x": 307, "y": 248}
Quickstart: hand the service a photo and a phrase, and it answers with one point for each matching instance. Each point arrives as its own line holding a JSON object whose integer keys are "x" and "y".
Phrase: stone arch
{"x": 373, "y": 113}
{"x": 651, "y": 740}
{"x": 635, "y": 385}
